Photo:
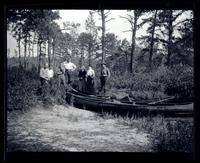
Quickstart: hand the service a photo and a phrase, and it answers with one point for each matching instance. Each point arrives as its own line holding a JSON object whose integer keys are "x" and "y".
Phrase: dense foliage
{"x": 176, "y": 81}
{"x": 21, "y": 88}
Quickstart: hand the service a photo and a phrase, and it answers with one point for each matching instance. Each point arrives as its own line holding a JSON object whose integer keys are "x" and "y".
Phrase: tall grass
{"x": 166, "y": 135}
{"x": 23, "y": 90}
{"x": 176, "y": 80}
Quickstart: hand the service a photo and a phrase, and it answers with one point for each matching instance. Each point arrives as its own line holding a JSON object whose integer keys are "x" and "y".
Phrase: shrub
{"x": 177, "y": 80}
{"x": 182, "y": 82}
{"x": 176, "y": 136}
{"x": 21, "y": 89}
{"x": 165, "y": 135}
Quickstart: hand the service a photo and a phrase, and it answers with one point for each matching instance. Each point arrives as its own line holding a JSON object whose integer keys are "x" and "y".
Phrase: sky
{"x": 116, "y": 26}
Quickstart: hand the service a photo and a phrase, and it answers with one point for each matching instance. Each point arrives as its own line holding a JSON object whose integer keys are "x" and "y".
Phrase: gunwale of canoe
{"x": 117, "y": 104}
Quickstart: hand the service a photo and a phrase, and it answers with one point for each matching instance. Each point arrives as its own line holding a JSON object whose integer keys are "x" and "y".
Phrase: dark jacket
{"x": 82, "y": 74}
{"x": 105, "y": 72}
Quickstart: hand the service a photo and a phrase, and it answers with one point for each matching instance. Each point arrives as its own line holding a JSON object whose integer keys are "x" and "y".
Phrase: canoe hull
{"x": 105, "y": 105}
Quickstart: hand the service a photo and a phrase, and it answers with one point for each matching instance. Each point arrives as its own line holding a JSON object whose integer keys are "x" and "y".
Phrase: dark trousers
{"x": 42, "y": 81}
{"x": 61, "y": 79}
{"x": 89, "y": 87}
{"x": 82, "y": 85}
{"x": 44, "y": 87}
{"x": 68, "y": 76}
{"x": 103, "y": 83}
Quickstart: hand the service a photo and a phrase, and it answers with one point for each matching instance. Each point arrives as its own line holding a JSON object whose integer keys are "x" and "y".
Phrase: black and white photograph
{"x": 108, "y": 80}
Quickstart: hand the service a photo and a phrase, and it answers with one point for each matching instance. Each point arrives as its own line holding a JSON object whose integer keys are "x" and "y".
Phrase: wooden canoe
{"x": 101, "y": 103}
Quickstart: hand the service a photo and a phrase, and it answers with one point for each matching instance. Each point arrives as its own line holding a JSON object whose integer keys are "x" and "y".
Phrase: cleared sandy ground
{"x": 61, "y": 128}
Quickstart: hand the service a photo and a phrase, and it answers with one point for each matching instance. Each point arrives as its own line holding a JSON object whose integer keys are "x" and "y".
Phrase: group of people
{"x": 86, "y": 76}
{"x": 86, "y": 79}
{"x": 65, "y": 69}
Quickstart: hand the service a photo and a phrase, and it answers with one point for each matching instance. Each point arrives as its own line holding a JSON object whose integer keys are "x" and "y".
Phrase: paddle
{"x": 166, "y": 99}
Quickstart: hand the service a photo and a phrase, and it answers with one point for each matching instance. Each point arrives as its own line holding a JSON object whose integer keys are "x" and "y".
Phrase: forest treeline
{"x": 157, "y": 63}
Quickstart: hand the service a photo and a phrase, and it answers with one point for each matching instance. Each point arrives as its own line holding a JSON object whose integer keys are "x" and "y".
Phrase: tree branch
{"x": 127, "y": 19}
{"x": 131, "y": 16}
{"x": 177, "y": 15}
{"x": 107, "y": 13}
{"x": 109, "y": 20}
{"x": 179, "y": 23}
{"x": 127, "y": 31}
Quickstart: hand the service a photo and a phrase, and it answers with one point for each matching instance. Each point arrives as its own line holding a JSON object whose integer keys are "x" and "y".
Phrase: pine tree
{"x": 133, "y": 20}
{"x": 91, "y": 29}
{"x": 150, "y": 38}
{"x": 169, "y": 21}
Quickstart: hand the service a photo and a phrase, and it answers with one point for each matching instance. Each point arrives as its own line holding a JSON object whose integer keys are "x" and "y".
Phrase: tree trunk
{"x": 38, "y": 53}
{"x": 53, "y": 52}
{"x": 19, "y": 49}
{"x": 152, "y": 40}
{"x": 170, "y": 32}
{"x": 133, "y": 42}
{"x": 25, "y": 51}
{"x": 82, "y": 55}
{"x": 32, "y": 52}
{"x": 40, "y": 56}
{"x": 89, "y": 55}
{"x": 126, "y": 61}
{"x": 103, "y": 35}
{"x": 33, "y": 45}
{"x": 49, "y": 51}
{"x": 29, "y": 51}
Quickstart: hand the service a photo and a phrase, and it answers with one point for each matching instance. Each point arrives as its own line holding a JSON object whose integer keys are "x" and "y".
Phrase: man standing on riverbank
{"x": 105, "y": 74}
{"x": 69, "y": 67}
{"x": 46, "y": 74}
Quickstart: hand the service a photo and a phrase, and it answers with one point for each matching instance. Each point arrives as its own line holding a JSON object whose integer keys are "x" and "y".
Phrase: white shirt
{"x": 90, "y": 73}
{"x": 44, "y": 73}
{"x": 69, "y": 66}
{"x": 50, "y": 73}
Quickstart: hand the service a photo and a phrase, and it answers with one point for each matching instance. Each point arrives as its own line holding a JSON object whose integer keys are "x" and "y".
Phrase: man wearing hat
{"x": 105, "y": 74}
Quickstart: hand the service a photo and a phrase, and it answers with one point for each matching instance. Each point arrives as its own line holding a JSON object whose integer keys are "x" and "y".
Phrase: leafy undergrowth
{"x": 166, "y": 134}
{"x": 59, "y": 128}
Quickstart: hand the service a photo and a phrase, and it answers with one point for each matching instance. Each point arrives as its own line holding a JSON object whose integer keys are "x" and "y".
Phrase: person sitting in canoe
{"x": 82, "y": 79}
{"x": 90, "y": 75}
{"x": 105, "y": 74}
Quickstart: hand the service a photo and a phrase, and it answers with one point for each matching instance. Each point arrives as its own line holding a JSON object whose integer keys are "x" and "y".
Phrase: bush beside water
{"x": 23, "y": 90}
{"x": 177, "y": 81}
{"x": 166, "y": 135}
